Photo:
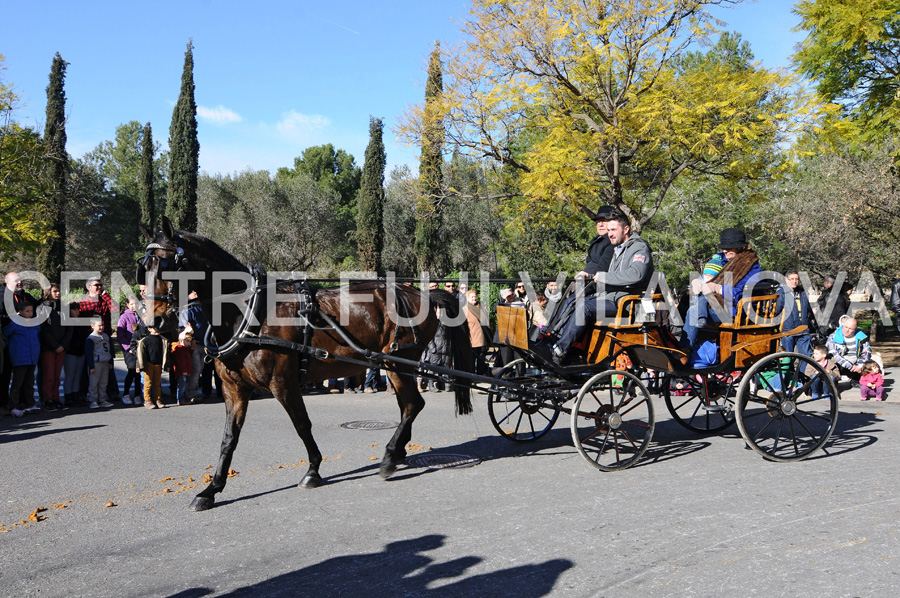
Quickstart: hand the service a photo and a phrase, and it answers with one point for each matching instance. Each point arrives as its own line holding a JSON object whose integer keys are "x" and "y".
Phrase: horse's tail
{"x": 460, "y": 348}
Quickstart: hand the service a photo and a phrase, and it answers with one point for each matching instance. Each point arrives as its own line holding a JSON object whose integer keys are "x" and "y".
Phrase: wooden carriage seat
{"x": 632, "y": 324}
{"x": 754, "y": 332}
{"x": 512, "y": 326}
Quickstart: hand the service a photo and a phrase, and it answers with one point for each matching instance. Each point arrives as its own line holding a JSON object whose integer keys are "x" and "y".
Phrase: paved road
{"x": 700, "y": 516}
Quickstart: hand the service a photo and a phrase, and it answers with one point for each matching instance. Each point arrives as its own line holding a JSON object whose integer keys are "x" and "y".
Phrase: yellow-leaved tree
{"x": 590, "y": 101}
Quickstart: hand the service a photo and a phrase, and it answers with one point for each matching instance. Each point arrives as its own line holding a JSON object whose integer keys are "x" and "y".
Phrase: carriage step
{"x": 713, "y": 407}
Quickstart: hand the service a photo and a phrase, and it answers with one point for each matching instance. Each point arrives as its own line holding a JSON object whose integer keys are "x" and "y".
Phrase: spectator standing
{"x": 152, "y": 359}
{"x": 477, "y": 337}
{"x": 99, "y": 303}
{"x": 192, "y": 317}
{"x": 183, "y": 364}
{"x": 841, "y": 306}
{"x": 73, "y": 361}
{"x": 11, "y": 283}
{"x": 24, "y": 350}
{"x": 895, "y": 300}
{"x": 849, "y": 348}
{"x": 128, "y": 324}
{"x": 55, "y": 340}
{"x": 796, "y": 302}
{"x": 98, "y": 359}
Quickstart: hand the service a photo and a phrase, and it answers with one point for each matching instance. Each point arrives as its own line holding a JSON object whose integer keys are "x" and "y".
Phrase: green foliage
{"x": 184, "y": 152}
{"x": 841, "y": 211}
{"x": 146, "y": 193}
{"x": 52, "y": 259}
{"x": 370, "y": 203}
{"x": 280, "y": 224}
{"x": 400, "y": 218}
{"x": 429, "y": 237}
{"x": 851, "y": 52}
{"x": 336, "y": 171}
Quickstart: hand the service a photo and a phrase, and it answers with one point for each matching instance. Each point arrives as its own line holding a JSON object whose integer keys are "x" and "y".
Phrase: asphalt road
{"x": 699, "y": 516}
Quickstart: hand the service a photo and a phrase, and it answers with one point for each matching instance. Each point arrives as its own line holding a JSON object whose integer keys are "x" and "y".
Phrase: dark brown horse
{"x": 253, "y": 352}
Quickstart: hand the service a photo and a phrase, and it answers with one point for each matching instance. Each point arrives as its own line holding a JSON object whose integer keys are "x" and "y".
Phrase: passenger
{"x": 629, "y": 272}
{"x": 726, "y": 288}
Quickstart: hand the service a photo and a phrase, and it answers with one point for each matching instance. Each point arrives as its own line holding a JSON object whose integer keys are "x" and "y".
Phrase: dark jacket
{"x": 795, "y": 317}
{"x": 895, "y": 297}
{"x": 599, "y": 255}
{"x": 53, "y": 333}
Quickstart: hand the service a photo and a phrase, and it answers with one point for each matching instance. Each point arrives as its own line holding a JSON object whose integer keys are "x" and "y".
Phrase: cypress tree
{"x": 148, "y": 209}
{"x": 370, "y": 201}
{"x": 184, "y": 152}
{"x": 52, "y": 257}
{"x": 429, "y": 207}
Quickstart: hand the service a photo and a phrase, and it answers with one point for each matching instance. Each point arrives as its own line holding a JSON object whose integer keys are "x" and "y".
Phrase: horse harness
{"x": 247, "y": 332}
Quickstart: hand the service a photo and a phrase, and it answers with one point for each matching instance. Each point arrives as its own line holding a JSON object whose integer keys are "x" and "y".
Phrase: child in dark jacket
{"x": 24, "y": 350}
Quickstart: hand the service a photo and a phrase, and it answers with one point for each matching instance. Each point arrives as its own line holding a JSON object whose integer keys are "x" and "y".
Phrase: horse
{"x": 277, "y": 346}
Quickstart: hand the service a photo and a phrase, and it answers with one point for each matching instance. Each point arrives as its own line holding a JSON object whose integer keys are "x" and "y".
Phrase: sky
{"x": 271, "y": 77}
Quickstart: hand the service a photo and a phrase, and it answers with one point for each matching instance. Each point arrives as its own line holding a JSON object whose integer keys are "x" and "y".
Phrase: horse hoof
{"x": 387, "y": 470}
{"x": 311, "y": 480}
{"x": 202, "y": 503}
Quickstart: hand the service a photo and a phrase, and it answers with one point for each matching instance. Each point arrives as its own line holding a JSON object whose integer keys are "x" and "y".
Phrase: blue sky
{"x": 272, "y": 78}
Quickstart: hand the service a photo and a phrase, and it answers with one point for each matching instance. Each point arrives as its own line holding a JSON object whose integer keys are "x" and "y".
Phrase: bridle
{"x": 176, "y": 263}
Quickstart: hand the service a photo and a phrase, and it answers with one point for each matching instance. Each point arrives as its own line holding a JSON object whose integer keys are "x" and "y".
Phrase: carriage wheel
{"x": 703, "y": 403}
{"x": 787, "y": 407}
{"x": 612, "y": 420}
{"x": 518, "y": 419}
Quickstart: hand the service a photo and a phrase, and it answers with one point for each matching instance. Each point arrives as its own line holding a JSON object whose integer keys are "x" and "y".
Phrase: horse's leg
{"x": 411, "y": 403}
{"x": 291, "y": 399}
{"x": 236, "y": 400}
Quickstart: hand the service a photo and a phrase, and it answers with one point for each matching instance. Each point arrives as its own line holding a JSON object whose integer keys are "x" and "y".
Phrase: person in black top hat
{"x": 600, "y": 250}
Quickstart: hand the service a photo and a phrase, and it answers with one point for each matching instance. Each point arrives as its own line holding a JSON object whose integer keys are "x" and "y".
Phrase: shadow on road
{"x": 402, "y": 569}
{"x": 35, "y": 430}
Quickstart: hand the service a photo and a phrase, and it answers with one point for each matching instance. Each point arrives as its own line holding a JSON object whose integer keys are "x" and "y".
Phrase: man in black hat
{"x": 726, "y": 288}
{"x": 600, "y": 251}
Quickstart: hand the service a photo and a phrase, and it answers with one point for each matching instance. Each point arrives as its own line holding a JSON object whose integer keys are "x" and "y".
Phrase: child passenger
{"x": 872, "y": 382}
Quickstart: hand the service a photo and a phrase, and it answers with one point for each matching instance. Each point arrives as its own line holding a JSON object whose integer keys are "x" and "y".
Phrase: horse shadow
{"x": 402, "y": 569}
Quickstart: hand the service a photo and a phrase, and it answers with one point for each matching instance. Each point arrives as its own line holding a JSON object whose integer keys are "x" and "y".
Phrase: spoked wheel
{"x": 703, "y": 403}
{"x": 612, "y": 420}
{"x": 518, "y": 419}
{"x": 787, "y": 407}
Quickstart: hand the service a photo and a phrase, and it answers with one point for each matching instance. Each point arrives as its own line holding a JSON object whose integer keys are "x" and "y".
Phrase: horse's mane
{"x": 209, "y": 253}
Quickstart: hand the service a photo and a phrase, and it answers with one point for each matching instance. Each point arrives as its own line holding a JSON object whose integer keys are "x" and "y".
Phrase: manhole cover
{"x": 442, "y": 461}
{"x": 369, "y": 425}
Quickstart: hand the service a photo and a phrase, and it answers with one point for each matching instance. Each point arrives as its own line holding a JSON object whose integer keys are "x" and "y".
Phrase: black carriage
{"x": 785, "y": 404}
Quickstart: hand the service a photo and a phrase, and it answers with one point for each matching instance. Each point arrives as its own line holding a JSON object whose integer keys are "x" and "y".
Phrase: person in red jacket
{"x": 183, "y": 364}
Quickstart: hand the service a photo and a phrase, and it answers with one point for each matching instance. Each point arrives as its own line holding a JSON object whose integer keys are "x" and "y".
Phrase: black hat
{"x": 604, "y": 213}
{"x": 732, "y": 238}
{"x": 607, "y": 213}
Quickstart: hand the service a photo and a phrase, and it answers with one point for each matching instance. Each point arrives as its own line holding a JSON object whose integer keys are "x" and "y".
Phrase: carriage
{"x": 277, "y": 335}
{"x": 785, "y": 404}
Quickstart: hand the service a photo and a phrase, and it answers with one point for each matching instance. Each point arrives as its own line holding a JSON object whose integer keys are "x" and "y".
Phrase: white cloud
{"x": 220, "y": 114}
{"x": 295, "y": 124}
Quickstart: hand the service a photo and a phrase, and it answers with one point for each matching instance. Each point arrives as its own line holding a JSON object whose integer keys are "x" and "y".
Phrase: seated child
{"x": 872, "y": 382}
{"x": 820, "y": 354}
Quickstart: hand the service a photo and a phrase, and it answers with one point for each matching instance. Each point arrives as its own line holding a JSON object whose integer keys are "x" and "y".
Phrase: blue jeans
{"x": 588, "y": 309}
{"x": 799, "y": 343}
{"x": 181, "y": 391}
{"x": 371, "y": 378}
{"x": 694, "y": 314}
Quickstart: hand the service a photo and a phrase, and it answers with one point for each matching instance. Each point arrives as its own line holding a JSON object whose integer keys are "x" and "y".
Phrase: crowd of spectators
{"x": 72, "y": 349}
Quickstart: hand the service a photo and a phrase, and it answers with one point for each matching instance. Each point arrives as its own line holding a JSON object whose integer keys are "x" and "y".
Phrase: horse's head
{"x": 164, "y": 255}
